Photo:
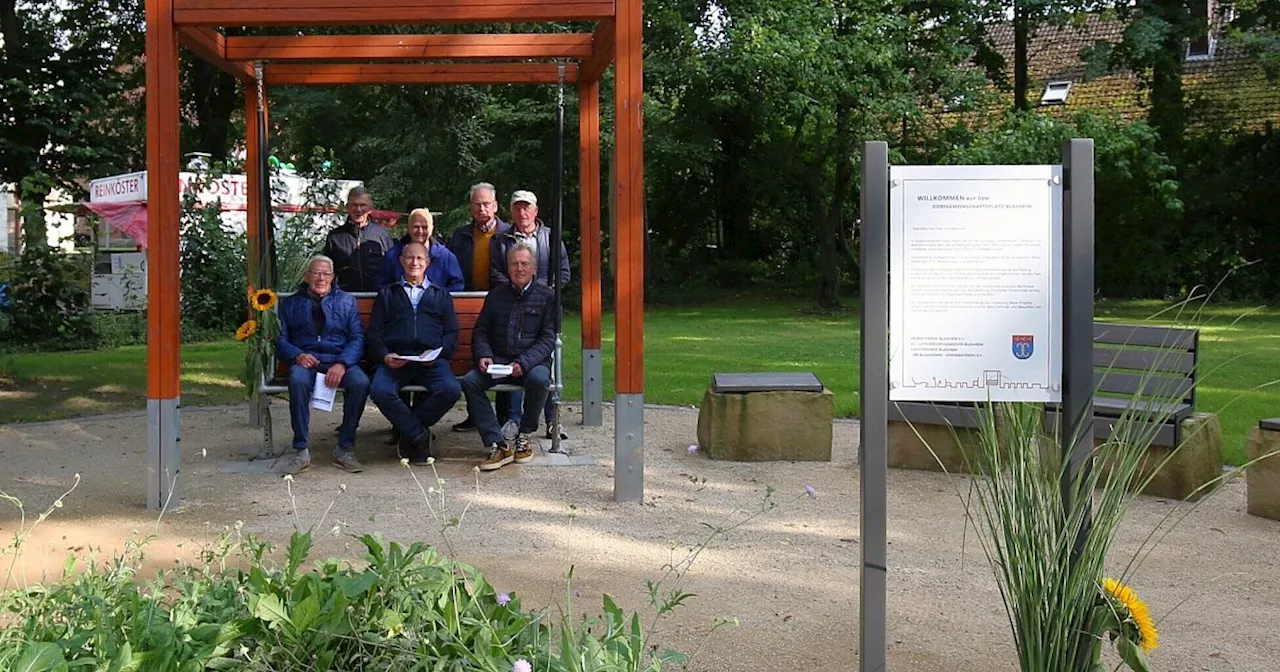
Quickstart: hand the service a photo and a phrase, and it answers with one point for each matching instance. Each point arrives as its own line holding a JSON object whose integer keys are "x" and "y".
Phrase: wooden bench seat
{"x": 466, "y": 305}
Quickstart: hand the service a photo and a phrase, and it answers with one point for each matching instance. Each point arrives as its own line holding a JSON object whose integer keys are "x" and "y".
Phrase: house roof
{"x": 1227, "y": 89}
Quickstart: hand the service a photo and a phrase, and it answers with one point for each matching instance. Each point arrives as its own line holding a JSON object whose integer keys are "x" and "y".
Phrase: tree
{"x": 71, "y": 81}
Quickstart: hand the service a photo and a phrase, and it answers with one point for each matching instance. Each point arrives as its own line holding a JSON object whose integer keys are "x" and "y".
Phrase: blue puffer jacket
{"x": 341, "y": 340}
{"x": 394, "y": 326}
{"x": 516, "y": 326}
{"x": 443, "y": 269}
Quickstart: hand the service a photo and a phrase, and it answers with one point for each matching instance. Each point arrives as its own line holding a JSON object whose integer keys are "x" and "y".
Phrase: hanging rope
{"x": 266, "y": 223}
{"x": 553, "y": 273}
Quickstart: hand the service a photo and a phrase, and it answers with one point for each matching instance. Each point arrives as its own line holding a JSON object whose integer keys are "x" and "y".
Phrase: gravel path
{"x": 789, "y": 575}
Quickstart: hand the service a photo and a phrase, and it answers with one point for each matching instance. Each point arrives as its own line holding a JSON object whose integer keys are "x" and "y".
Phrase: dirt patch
{"x": 789, "y": 575}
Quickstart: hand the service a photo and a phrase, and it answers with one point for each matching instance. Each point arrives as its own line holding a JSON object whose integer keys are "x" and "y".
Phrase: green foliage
{"x": 1136, "y": 194}
{"x": 212, "y": 263}
{"x": 50, "y": 301}
{"x": 403, "y": 608}
{"x": 304, "y": 231}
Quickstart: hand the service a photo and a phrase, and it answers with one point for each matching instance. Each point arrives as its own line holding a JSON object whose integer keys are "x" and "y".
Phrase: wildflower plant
{"x": 258, "y": 333}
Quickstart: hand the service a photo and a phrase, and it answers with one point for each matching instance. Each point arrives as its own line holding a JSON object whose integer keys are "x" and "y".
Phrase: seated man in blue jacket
{"x": 411, "y": 318}
{"x": 516, "y": 326}
{"x": 442, "y": 265}
{"x": 320, "y": 332}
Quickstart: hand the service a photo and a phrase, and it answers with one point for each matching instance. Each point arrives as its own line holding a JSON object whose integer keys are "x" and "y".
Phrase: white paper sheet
{"x": 428, "y": 356}
{"x": 500, "y": 370}
{"x": 322, "y": 395}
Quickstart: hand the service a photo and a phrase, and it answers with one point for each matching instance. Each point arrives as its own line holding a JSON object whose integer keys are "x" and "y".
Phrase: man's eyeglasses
{"x": 484, "y": 204}
{"x": 320, "y": 274}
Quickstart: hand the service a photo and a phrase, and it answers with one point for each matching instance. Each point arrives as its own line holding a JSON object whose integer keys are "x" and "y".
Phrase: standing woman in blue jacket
{"x": 443, "y": 270}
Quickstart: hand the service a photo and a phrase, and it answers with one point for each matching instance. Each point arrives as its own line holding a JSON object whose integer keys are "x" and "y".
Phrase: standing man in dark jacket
{"x": 411, "y": 318}
{"x": 527, "y": 229}
{"x": 359, "y": 246}
{"x": 320, "y": 332}
{"x": 471, "y": 245}
{"x": 516, "y": 326}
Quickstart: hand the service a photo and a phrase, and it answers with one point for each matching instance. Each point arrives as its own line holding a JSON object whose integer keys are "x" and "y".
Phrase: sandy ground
{"x": 788, "y": 575}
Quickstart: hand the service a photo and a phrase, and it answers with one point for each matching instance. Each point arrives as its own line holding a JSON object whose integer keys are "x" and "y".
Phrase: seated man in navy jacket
{"x": 516, "y": 326}
{"x": 410, "y": 318}
{"x": 320, "y": 332}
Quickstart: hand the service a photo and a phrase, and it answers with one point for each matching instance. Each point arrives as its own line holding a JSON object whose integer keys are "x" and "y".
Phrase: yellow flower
{"x": 263, "y": 299}
{"x": 1135, "y": 611}
{"x": 249, "y": 328}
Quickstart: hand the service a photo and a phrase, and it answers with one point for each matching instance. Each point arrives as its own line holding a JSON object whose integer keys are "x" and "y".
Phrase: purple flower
{"x": 810, "y": 491}
{"x": 521, "y": 665}
{"x": 693, "y": 449}
{"x": 503, "y": 599}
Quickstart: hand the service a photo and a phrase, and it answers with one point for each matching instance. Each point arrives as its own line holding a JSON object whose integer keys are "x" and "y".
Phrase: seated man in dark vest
{"x": 320, "y": 332}
{"x": 410, "y": 318}
{"x": 516, "y": 328}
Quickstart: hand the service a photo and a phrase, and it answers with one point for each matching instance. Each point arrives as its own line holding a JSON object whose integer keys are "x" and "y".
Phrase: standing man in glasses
{"x": 471, "y": 245}
{"x": 358, "y": 247}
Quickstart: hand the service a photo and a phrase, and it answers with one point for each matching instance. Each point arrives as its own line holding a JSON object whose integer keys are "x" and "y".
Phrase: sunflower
{"x": 1132, "y": 610}
{"x": 249, "y": 328}
{"x": 263, "y": 299}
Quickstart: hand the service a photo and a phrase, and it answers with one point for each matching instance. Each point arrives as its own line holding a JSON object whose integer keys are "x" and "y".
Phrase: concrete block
{"x": 764, "y": 426}
{"x": 1262, "y": 478}
{"x": 1197, "y": 462}
{"x": 910, "y": 446}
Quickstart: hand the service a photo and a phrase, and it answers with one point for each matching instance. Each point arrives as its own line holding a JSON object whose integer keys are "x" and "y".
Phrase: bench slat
{"x": 1272, "y": 425}
{"x": 1141, "y": 409}
{"x": 956, "y": 414}
{"x": 1113, "y": 383}
{"x": 1166, "y": 435}
{"x": 1144, "y": 360}
{"x": 1132, "y": 334}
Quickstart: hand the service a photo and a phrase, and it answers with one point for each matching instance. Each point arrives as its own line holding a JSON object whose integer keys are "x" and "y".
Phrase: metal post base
{"x": 628, "y": 448}
{"x": 164, "y": 452}
{"x": 255, "y": 409}
{"x": 592, "y": 389}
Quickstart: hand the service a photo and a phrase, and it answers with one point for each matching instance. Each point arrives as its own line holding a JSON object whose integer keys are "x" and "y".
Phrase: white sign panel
{"x": 975, "y": 283}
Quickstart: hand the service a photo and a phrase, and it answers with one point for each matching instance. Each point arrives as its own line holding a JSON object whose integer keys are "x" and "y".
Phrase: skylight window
{"x": 1055, "y": 93}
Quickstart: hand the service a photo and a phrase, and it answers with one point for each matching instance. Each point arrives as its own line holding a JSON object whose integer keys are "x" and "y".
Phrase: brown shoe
{"x": 524, "y": 449}
{"x": 499, "y": 456}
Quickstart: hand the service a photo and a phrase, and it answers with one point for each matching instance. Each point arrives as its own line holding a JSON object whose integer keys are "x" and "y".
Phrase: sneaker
{"x": 499, "y": 456}
{"x": 348, "y": 462}
{"x": 296, "y": 465}
{"x": 467, "y": 425}
{"x": 510, "y": 430}
{"x": 524, "y": 450}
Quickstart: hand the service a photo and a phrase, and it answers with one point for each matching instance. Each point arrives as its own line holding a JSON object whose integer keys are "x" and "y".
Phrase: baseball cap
{"x": 524, "y": 196}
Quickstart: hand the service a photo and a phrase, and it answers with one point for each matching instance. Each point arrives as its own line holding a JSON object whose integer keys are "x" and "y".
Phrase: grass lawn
{"x": 683, "y": 345}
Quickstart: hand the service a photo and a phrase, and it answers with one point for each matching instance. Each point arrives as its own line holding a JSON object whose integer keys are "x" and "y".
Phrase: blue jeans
{"x": 511, "y": 404}
{"x": 475, "y": 386}
{"x": 443, "y": 392}
{"x": 355, "y": 390}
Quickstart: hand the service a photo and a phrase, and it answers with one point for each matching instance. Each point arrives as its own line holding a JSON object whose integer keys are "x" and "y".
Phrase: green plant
{"x": 50, "y": 300}
{"x": 259, "y": 333}
{"x": 212, "y": 262}
{"x": 304, "y": 230}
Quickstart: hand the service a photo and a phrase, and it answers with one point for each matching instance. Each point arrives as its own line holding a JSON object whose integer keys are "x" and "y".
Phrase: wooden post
{"x": 164, "y": 338}
{"x": 589, "y": 176}
{"x": 629, "y": 189}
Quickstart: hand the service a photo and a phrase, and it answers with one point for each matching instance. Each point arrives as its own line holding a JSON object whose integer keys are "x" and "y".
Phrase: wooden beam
{"x": 407, "y": 47}
{"x": 589, "y": 198}
{"x": 629, "y": 199}
{"x": 447, "y": 73}
{"x": 211, "y": 46}
{"x": 602, "y": 48}
{"x": 164, "y": 340}
{"x": 345, "y": 12}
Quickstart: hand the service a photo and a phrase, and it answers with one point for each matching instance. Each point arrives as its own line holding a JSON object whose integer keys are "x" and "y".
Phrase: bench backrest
{"x": 1155, "y": 362}
{"x": 466, "y": 304}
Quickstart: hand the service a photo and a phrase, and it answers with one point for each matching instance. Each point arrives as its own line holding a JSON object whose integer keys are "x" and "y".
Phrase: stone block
{"x": 1197, "y": 462}
{"x": 1263, "y": 477}
{"x": 910, "y": 446}
{"x": 764, "y": 426}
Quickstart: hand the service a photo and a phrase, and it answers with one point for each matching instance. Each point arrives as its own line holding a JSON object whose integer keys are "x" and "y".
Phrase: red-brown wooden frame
{"x": 364, "y": 60}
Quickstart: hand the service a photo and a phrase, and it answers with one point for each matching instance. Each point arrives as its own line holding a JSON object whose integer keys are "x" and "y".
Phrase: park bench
{"x": 466, "y": 305}
{"x": 1143, "y": 374}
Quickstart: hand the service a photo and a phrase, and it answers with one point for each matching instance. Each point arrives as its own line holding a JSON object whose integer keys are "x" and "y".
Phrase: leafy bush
{"x": 304, "y": 231}
{"x": 212, "y": 263}
{"x": 406, "y": 608}
{"x": 49, "y": 308}
{"x": 112, "y": 330}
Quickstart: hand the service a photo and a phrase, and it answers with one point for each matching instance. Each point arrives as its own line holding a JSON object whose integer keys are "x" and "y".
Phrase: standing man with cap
{"x": 526, "y": 228}
{"x": 471, "y": 245}
{"x": 358, "y": 247}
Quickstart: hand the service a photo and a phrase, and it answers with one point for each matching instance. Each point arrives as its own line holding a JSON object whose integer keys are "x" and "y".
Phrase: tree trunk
{"x": 1021, "y": 36}
{"x": 1168, "y": 114}
{"x": 215, "y": 98}
{"x": 829, "y": 253}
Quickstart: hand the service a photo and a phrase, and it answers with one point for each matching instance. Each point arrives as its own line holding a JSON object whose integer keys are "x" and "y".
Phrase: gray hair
{"x": 358, "y": 191}
{"x": 524, "y": 247}
{"x": 320, "y": 258}
{"x": 481, "y": 185}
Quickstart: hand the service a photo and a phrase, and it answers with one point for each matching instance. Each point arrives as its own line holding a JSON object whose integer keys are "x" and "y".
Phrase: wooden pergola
{"x": 517, "y": 58}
